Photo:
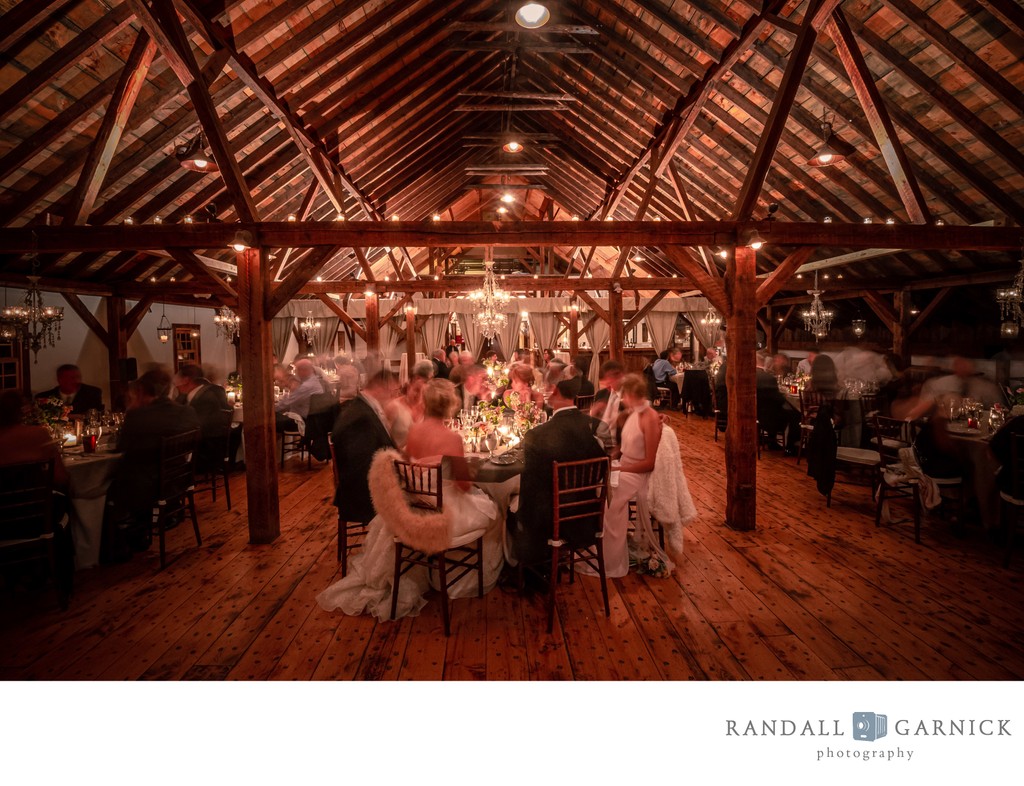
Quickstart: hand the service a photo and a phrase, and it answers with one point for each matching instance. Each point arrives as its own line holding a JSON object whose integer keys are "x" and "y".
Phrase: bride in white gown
{"x": 367, "y": 587}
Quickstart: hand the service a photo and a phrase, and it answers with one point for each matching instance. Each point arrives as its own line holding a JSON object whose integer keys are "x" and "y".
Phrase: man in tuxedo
{"x": 73, "y": 392}
{"x": 607, "y": 402}
{"x": 776, "y": 415}
{"x": 361, "y": 430}
{"x": 133, "y": 490}
{"x": 210, "y": 403}
{"x": 568, "y": 435}
{"x": 471, "y": 388}
{"x": 441, "y": 369}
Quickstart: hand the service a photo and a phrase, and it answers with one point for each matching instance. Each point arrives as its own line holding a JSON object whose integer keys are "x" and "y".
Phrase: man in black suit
{"x": 210, "y": 403}
{"x": 361, "y": 430}
{"x": 133, "y": 490}
{"x": 568, "y": 435}
{"x": 72, "y": 391}
{"x": 441, "y": 369}
{"x": 471, "y": 388}
{"x": 774, "y": 414}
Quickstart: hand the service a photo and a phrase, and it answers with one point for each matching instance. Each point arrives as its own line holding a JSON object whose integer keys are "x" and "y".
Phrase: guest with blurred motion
{"x": 780, "y": 364}
{"x": 607, "y": 405}
{"x": 638, "y": 447}
{"x": 73, "y": 392}
{"x": 440, "y": 364}
{"x": 520, "y": 386}
{"x": 348, "y": 383}
{"x": 950, "y": 389}
{"x": 208, "y": 400}
{"x": 575, "y": 373}
{"x": 405, "y": 410}
{"x": 472, "y": 388}
{"x": 775, "y": 414}
{"x": 297, "y": 400}
{"x": 568, "y": 435}
{"x": 824, "y": 377}
{"x": 21, "y": 443}
{"x": 804, "y": 366}
{"x": 153, "y": 416}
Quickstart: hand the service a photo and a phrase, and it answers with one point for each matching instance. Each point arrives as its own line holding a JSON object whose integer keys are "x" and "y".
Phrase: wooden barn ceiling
{"x": 387, "y": 108}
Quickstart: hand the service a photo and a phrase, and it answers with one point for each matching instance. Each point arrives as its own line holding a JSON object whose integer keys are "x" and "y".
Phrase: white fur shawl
{"x": 668, "y": 495}
{"x": 423, "y": 530}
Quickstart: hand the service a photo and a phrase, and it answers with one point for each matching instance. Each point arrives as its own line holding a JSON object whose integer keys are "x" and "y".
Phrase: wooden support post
{"x": 901, "y": 326}
{"x": 574, "y": 330}
{"x": 741, "y": 432}
{"x": 117, "y": 349}
{"x": 616, "y": 334}
{"x": 258, "y": 428}
{"x": 410, "y": 335}
{"x": 372, "y": 324}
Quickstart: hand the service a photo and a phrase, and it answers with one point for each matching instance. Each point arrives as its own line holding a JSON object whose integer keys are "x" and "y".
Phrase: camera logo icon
{"x": 869, "y": 726}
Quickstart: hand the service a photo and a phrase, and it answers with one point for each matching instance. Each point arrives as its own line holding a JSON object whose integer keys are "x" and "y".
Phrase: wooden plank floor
{"x": 811, "y": 594}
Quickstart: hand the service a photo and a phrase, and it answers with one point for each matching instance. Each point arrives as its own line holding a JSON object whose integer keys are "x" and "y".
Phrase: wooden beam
{"x": 258, "y": 423}
{"x": 174, "y": 43}
{"x": 740, "y": 370}
{"x": 926, "y": 312}
{"x": 656, "y": 234}
{"x": 712, "y": 288}
{"x": 881, "y": 125}
{"x": 884, "y": 311}
{"x": 512, "y": 27}
{"x": 689, "y": 214}
{"x": 372, "y": 324}
{"x": 781, "y": 106}
{"x": 778, "y": 278}
{"x": 343, "y": 315}
{"x": 900, "y": 324}
{"x": 645, "y": 310}
{"x": 117, "y": 349}
{"x": 134, "y": 317}
{"x": 616, "y": 333}
{"x": 586, "y": 298}
{"x": 115, "y": 119}
{"x": 86, "y": 316}
{"x": 194, "y": 265}
{"x": 25, "y": 16}
{"x": 410, "y": 337}
{"x": 182, "y": 66}
{"x": 395, "y": 309}
{"x": 299, "y": 275}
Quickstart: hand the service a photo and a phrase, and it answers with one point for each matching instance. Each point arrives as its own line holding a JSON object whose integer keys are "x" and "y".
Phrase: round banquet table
{"x": 694, "y": 388}
{"x": 499, "y": 482}
{"x": 972, "y": 449}
{"x": 90, "y": 477}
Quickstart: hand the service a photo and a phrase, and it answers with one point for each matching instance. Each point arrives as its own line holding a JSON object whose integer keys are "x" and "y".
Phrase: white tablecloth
{"x": 90, "y": 478}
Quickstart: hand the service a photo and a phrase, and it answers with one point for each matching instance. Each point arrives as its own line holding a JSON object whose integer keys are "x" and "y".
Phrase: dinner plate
{"x": 504, "y": 458}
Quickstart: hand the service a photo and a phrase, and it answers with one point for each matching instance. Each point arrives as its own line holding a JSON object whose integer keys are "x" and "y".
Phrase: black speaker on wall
{"x": 127, "y": 369}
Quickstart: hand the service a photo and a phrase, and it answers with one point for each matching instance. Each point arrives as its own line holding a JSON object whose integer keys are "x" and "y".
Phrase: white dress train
{"x": 367, "y": 587}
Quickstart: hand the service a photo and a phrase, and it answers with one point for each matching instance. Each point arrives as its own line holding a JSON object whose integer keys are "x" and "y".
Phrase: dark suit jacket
{"x": 357, "y": 435}
{"x": 567, "y": 436}
{"x": 88, "y": 397}
{"x": 134, "y": 486}
{"x": 211, "y": 405}
{"x": 441, "y": 370}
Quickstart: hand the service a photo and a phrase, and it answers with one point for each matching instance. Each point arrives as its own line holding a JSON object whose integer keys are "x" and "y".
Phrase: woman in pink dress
{"x": 638, "y": 442}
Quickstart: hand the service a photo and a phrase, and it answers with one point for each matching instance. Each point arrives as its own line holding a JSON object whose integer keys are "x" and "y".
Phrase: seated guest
{"x": 472, "y": 388}
{"x": 520, "y": 383}
{"x": 568, "y": 435}
{"x": 284, "y": 380}
{"x": 824, "y": 377}
{"x": 664, "y": 369}
{"x": 361, "y": 430}
{"x": 73, "y": 392}
{"x": 774, "y": 413}
{"x": 804, "y": 366}
{"x": 405, "y": 410}
{"x": 208, "y": 400}
{"x": 348, "y": 382}
{"x": 24, "y": 444}
{"x": 297, "y": 400}
{"x": 607, "y": 405}
{"x": 574, "y": 372}
{"x": 441, "y": 369}
{"x": 152, "y": 417}
{"x": 780, "y": 364}
{"x": 553, "y": 374}
{"x": 1002, "y": 448}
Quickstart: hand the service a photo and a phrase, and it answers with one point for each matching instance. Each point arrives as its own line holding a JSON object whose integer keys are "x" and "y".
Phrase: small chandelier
{"x": 712, "y": 319}
{"x": 1009, "y": 301}
{"x": 34, "y": 323}
{"x": 227, "y": 322}
{"x": 817, "y": 318}
{"x": 859, "y": 326}
{"x": 163, "y": 330}
{"x": 489, "y": 300}
{"x": 309, "y": 328}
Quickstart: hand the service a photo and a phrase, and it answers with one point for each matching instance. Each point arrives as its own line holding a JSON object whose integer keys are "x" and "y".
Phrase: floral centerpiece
{"x": 1017, "y": 402}
{"x": 525, "y": 414}
{"x": 53, "y": 413}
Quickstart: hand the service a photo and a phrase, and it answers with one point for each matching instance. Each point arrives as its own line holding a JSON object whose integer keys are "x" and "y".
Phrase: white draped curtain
{"x": 597, "y": 336}
{"x": 544, "y": 326}
{"x": 470, "y": 330}
{"x": 323, "y": 339}
{"x": 434, "y": 330}
{"x": 280, "y": 332}
{"x": 705, "y": 335}
{"x": 509, "y": 335}
{"x": 389, "y": 338}
{"x": 662, "y": 327}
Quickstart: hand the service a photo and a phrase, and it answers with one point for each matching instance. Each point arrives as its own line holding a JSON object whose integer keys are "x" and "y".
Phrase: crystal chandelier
{"x": 227, "y": 322}
{"x": 817, "y": 318}
{"x": 489, "y": 301}
{"x": 1009, "y": 301}
{"x": 35, "y": 324}
{"x": 309, "y": 327}
{"x": 711, "y": 319}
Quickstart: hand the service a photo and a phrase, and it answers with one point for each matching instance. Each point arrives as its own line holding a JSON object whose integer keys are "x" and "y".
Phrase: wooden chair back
{"x": 584, "y": 403}
{"x": 810, "y": 401}
{"x": 177, "y": 465}
{"x": 580, "y": 492}
{"x": 26, "y": 500}
{"x": 421, "y": 483}
{"x": 890, "y": 435}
